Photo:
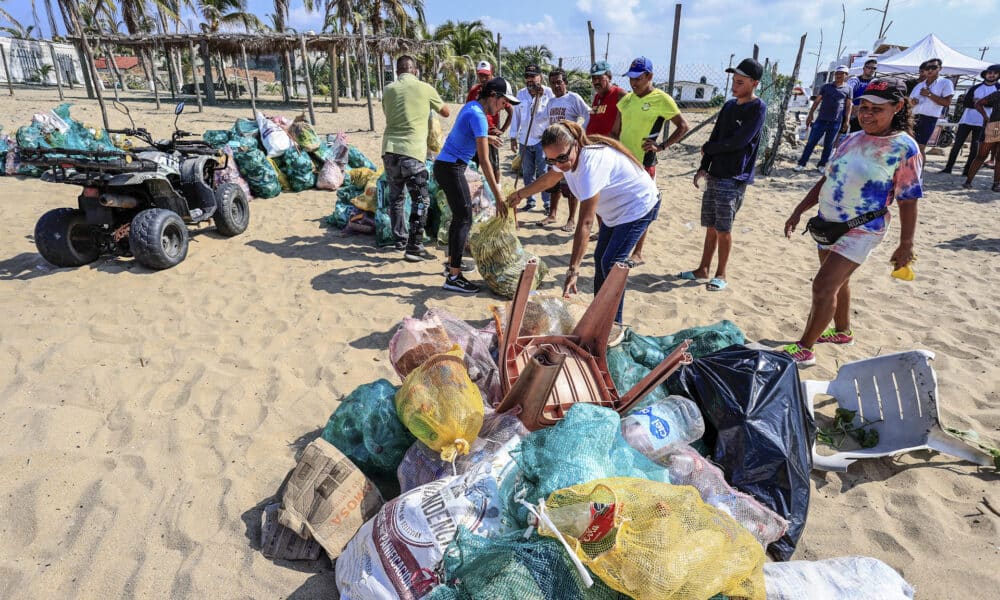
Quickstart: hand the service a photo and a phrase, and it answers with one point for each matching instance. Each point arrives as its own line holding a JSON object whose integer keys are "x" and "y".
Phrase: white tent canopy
{"x": 955, "y": 63}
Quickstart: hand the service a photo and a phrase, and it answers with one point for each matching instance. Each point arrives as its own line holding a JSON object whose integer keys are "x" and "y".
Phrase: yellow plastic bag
{"x": 360, "y": 176}
{"x": 656, "y": 541}
{"x": 435, "y": 135}
{"x": 515, "y": 165}
{"x": 905, "y": 272}
{"x": 369, "y": 199}
{"x": 440, "y": 405}
{"x": 282, "y": 178}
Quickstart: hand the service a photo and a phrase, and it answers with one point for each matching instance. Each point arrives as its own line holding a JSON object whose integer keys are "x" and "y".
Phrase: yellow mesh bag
{"x": 656, "y": 541}
{"x": 360, "y": 176}
{"x": 435, "y": 134}
{"x": 282, "y": 178}
{"x": 440, "y": 405}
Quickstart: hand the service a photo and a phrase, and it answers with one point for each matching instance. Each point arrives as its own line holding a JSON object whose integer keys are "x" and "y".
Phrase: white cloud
{"x": 302, "y": 20}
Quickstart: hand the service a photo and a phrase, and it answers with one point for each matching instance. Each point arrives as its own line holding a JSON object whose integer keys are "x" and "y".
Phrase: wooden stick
{"x": 246, "y": 71}
{"x": 309, "y": 87}
{"x": 55, "y": 65}
{"x": 194, "y": 73}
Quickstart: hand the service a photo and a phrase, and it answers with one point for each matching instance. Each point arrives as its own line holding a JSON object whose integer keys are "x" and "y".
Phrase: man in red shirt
{"x": 604, "y": 108}
{"x": 484, "y": 72}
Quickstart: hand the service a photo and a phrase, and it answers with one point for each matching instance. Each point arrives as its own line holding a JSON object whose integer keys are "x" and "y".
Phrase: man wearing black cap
{"x": 727, "y": 163}
{"x": 971, "y": 122}
{"x": 526, "y": 127}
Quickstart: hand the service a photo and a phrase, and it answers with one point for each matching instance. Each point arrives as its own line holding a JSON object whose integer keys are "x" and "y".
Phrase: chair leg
{"x": 595, "y": 325}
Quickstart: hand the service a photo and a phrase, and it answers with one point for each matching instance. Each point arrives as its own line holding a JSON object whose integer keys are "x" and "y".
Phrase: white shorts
{"x": 856, "y": 245}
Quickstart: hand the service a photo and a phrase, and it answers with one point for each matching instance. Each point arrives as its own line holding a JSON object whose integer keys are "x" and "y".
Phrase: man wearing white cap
{"x": 484, "y": 72}
{"x": 834, "y": 104}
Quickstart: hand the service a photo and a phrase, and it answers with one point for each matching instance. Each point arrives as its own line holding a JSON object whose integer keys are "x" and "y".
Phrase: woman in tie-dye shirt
{"x": 869, "y": 170}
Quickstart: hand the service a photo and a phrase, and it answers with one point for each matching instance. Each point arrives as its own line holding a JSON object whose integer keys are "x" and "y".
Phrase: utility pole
{"x": 607, "y": 45}
{"x": 982, "y": 52}
{"x": 590, "y": 33}
{"x": 725, "y": 92}
{"x": 843, "y": 23}
{"x": 882, "y": 28}
{"x": 818, "y": 53}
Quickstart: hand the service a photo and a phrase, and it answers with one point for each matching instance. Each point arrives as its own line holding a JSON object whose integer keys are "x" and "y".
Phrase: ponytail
{"x": 568, "y": 132}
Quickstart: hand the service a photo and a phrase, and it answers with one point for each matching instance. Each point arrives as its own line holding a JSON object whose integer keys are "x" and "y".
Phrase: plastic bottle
{"x": 653, "y": 429}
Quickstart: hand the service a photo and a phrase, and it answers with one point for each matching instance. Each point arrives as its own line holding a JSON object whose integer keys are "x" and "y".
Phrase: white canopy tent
{"x": 955, "y": 63}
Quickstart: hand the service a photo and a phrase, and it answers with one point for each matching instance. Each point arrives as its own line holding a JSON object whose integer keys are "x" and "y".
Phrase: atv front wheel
{"x": 63, "y": 238}
{"x": 233, "y": 213}
{"x": 158, "y": 238}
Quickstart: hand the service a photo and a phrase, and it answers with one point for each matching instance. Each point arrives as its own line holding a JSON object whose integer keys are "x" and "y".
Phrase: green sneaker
{"x": 803, "y": 357}
{"x": 832, "y": 336}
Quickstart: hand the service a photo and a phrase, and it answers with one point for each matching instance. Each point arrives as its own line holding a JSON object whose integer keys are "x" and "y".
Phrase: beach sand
{"x": 147, "y": 417}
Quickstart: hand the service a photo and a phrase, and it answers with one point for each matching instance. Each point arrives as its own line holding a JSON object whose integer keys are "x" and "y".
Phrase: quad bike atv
{"x": 138, "y": 202}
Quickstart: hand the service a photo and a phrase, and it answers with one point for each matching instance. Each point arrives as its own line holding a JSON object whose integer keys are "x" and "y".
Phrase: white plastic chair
{"x": 900, "y": 391}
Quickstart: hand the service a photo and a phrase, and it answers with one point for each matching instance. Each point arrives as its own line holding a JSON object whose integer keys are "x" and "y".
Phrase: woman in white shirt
{"x": 610, "y": 183}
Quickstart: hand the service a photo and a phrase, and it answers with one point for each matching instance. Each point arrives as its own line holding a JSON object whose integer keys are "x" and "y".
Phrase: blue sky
{"x": 710, "y": 29}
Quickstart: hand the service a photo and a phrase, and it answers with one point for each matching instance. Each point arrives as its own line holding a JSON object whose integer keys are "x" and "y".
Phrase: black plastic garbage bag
{"x": 758, "y": 427}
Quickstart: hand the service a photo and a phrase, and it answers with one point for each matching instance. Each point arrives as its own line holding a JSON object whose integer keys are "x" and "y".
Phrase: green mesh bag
{"x": 509, "y": 566}
{"x": 216, "y": 138}
{"x": 366, "y": 429}
{"x": 257, "y": 170}
{"x": 637, "y": 354}
{"x": 356, "y": 158}
{"x": 299, "y": 169}
{"x": 586, "y": 445}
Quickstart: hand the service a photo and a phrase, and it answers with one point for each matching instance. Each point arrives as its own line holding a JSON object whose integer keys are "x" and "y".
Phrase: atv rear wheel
{"x": 158, "y": 238}
{"x": 233, "y": 213}
{"x": 63, "y": 238}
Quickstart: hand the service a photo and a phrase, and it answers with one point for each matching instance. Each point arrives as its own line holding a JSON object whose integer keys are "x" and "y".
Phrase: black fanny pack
{"x": 827, "y": 233}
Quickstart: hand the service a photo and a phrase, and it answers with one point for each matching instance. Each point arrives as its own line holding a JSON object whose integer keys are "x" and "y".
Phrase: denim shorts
{"x": 720, "y": 203}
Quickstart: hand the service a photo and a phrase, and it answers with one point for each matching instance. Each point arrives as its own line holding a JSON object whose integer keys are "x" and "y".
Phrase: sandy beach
{"x": 147, "y": 417}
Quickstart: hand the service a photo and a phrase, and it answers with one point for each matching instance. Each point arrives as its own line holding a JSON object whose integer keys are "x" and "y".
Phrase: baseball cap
{"x": 600, "y": 67}
{"x": 484, "y": 67}
{"x": 639, "y": 66}
{"x": 994, "y": 68}
{"x": 532, "y": 70}
{"x": 748, "y": 67}
{"x": 501, "y": 87}
{"x": 883, "y": 90}
{"x": 842, "y": 69}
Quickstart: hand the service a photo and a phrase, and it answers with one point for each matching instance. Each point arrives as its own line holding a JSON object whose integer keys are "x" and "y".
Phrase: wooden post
{"x": 6, "y": 70}
{"x": 206, "y": 64}
{"x": 194, "y": 73}
{"x": 223, "y": 76}
{"x": 97, "y": 84}
{"x": 168, "y": 54}
{"x": 250, "y": 90}
{"x": 673, "y": 55}
{"x": 152, "y": 68}
{"x": 590, "y": 34}
{"x": 334, "y": 90}
{"x": 309, "y": 85}
{"x": 113, "y": 70}
{"x": 368, "y": 86}
{"x": 499, "y": 57}
{"x": 756, "y": 51}
{"x": 55, "y": 65}
{"x": 771, "y": 156}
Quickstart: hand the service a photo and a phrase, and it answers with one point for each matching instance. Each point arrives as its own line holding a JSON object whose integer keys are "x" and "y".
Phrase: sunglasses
{"x": 930, "y": 68}
{"x": 562, "y": 158}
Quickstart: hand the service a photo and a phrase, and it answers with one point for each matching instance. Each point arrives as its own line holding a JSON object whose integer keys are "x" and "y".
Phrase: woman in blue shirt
{"x": 468, "y": 137}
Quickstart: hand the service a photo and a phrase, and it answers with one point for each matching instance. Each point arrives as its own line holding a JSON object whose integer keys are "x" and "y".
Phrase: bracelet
{"x": 662, "y": 146}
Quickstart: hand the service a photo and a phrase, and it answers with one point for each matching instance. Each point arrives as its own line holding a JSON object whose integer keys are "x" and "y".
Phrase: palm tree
{"x": 219, "y": 14}
{"x": 468, "y": 42}
{"x": 15, "y": 29}
{"x": 523, "y": 56}
{"x": 382, "y": 14}
{"x": 344, "y": 13}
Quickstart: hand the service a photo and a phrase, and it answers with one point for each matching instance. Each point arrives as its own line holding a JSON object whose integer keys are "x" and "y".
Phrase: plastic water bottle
{"x": 653, "y": 430}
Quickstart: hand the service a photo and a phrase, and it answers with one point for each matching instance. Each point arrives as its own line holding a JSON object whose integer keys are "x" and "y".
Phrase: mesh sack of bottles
{"x": 655, "y": 541}
{"x": 499, "y": 256}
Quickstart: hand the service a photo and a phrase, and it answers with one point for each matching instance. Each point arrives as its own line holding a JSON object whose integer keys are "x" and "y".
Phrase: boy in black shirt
{"x": 727, "y": 163}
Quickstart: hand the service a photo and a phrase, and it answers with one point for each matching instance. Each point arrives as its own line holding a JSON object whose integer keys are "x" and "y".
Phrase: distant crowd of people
{"x": 601, "y": 157}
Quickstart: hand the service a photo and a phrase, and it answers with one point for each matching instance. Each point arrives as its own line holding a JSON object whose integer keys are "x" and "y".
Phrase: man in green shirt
{"x": 407, "y": 104}
{"x": 641, "y": 117}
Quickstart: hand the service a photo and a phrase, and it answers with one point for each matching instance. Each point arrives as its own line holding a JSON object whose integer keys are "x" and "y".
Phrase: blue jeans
{"x": 827, "y": 130}
{"x": 533, "y": 167}
{"x": 614, "y": 245}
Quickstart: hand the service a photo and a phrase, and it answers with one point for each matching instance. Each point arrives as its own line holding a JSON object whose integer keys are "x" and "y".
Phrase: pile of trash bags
{"x": 276, "y": 155}
{"x": 661, "y": 501}
{"x": 52, "y": 129}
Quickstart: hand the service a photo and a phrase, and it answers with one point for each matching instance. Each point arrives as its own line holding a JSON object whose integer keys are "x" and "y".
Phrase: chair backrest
{"x": 894, "y": 389}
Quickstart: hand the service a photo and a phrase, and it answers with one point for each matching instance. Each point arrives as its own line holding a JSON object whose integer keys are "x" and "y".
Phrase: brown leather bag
{"x": 543, "y": 376}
